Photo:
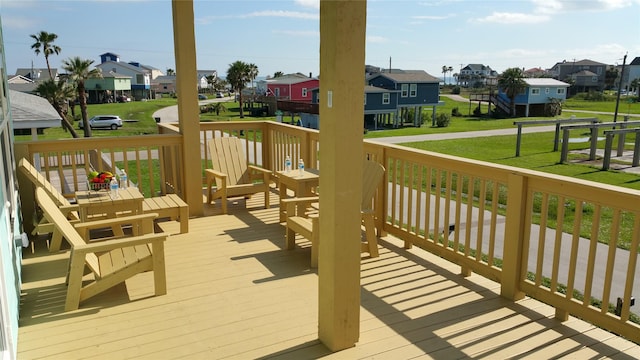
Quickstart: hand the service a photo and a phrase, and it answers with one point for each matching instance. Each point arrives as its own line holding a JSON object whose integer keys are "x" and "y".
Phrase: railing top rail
{"x": 109, "y": 142}
{"x": 621, "y": 131}
{"x": 601, "y": 125}
{"x": 556, "y": 121}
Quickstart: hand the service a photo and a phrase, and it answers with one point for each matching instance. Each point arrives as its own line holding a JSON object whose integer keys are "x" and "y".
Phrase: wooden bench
{"x": 169, "y": 206}
{"x": 111, "y": 261}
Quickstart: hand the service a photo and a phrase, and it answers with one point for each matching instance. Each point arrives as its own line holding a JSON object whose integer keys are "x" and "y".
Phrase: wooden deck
{"x": 234, "y": 293}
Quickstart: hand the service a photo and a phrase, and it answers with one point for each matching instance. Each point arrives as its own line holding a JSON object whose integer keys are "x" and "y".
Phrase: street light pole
{"x": 615, "y": 114}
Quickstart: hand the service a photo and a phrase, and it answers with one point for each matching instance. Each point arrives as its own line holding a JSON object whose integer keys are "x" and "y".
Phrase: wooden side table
{"x": 301, "y": 185}
{"x": 93, "y": 203}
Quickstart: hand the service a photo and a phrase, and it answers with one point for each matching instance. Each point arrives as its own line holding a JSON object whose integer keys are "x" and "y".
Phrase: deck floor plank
{"x": 233, "y": 293}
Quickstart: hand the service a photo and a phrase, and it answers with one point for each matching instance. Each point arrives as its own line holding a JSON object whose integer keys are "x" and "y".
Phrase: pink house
{"x": 292, "y": 88}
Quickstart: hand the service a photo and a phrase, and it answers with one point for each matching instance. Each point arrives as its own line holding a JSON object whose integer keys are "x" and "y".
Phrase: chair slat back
{"x": 40, "y": 180}
{"x": 227, "y": 156}
{"x": 372, "y": 173}
{"x": 57, "y": 218}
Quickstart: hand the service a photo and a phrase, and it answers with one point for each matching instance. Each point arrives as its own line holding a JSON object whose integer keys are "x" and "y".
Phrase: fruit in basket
{"x": 99, "y": 180}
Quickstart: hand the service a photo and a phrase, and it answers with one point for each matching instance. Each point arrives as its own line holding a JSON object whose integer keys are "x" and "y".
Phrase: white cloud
{"x": 513, "y": 18}
{"x": 314, "y": 4}
{"x": 559, "y": 6}
{"x": 377, "y": 39}
{"x": 17, "y": 22}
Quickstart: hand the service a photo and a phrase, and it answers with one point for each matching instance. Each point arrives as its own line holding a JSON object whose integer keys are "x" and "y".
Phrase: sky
{"x": 283, "y": 35}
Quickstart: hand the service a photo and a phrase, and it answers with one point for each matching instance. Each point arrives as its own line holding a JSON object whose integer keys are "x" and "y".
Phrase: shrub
{"x": 456, "y": 112}
{"x": 477, "y": 111}
{"x": 456, "y": 90}
{"x": 442, "y": 120}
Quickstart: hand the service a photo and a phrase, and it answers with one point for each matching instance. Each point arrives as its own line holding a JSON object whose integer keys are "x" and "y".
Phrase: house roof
{"x": 284, "y": 80}
{"x": 545, "y": 82}
{"x": 37, "y": 74}
{"x": 109, "y": 65}
{"x": 635, "y": 61}
{"x": 408, "y": 76}
{"x": 583, "y": 62}
{"x": 477, "y": 67}
{"x": 31, "y": 111}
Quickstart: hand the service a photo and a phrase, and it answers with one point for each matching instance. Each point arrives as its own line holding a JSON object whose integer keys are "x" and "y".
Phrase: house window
{"x": 546, "y": 91}
{"x": 535, "y": 91}
{"x": 277, "y": 92}
{"x": 304, "y": 92}
{"x": 560, "y": 91}
{"x": 594, "y": 79}
{"x": 386, "y": 98}
{"x": 405, "y": 90}
{"x": 365, "y": 99}
{"x": 139, "y": 79}
{"x": 413, "y": 90}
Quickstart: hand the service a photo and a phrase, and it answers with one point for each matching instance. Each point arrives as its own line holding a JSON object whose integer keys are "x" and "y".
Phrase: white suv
{"x": 104, "y": 121}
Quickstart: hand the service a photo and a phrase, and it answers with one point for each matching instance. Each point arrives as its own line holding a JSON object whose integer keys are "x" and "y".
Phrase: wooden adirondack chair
{"x": 170, "y": 206}
{"x": 232, "y": 175}
{"x": 112, "y": 261}
{"x": 308, "y": 225}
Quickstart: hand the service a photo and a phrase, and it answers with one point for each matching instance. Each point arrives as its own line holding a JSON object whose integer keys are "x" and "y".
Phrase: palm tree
{"x": 170, "y": 72}
{"x": 58, "y": 93}
{"x": 450, "y": 69}
{"x": 78, "y": 71}
{"x": 44, "y": 41}
{"x": 445, "y": 69}
{"x": 238, "y": 76}
{"x": 218, "y": 107}
{"x": 278, "y": 74}
{"x": 511, "y": 82}
{"x": 253, "y": 73}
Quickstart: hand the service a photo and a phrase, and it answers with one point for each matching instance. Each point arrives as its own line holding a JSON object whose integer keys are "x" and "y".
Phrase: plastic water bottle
{"x": 287, "y": 164}
{"x": 123, "y": 180}
{"x": 113, "y": 187}
{"x": 300, "y": 167}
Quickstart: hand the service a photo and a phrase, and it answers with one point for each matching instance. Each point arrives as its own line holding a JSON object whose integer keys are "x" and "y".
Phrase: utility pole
{"x": 615, "y": 114}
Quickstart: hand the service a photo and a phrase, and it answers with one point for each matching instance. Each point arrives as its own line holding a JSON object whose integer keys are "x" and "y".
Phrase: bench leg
{"x": 290, "y": 240}
{"x": 184, "y": 220}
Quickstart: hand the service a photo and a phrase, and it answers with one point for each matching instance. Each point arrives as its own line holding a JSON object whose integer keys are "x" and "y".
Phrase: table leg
{"x": 283, "y": 195}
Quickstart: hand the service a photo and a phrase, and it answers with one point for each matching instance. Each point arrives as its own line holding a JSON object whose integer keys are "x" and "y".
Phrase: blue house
{"x": 536, "y": 97}
{"x": 414, "y": 89}
{"x": 393, "y": 97}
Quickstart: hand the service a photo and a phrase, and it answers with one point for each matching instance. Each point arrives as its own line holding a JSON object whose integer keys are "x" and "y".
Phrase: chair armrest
{"x": 214, "y": 173}
{"x": 259, "y": 169}
{"x": 120, "y": 243}
{"x": 96, "y": 224}
{"x": 292, "y": 204}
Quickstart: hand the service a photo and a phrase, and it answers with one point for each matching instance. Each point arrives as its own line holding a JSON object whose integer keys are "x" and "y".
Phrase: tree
{"x": 58, "y": 93}
{"x": 253, "y": 73}
{"x": 238, "y": 77}
{"x": 211, "y": 81}
{"x": 44, "y": 44}
{"x": 445, "y": 69}
{"x": 78, "y": 71}
{"x": 450, "y": 69}
{"x": 512, "y": 83}
{"x": 278, "y": 74}
{"x": 218, "y": 107}
{"x": 170, "y": 72}
{"x": 610, "y": 77}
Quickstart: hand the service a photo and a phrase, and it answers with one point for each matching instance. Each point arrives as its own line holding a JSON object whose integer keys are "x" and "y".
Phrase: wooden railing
{"x": 570, "y": 243}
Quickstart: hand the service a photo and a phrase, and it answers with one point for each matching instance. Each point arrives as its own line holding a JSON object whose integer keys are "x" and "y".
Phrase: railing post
{"x": 556, "y": 138}
{"x": 565, "y": 145}
{"x": 594, "y": 142}
{"x": 514, "y": 259}
{"x": 518, "y": 140}
{"x": 636, "y": 150}
{"x": 607, "y": 151}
